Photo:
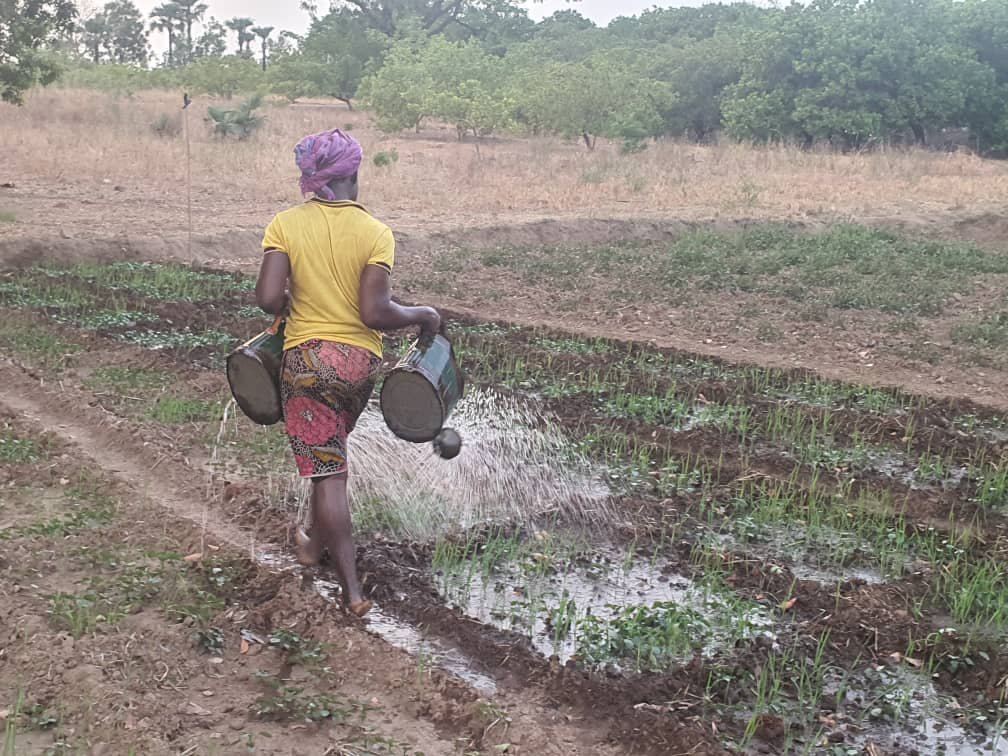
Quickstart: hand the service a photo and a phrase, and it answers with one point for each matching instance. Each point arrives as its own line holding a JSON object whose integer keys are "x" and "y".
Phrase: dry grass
{"x": 66, "y": 147}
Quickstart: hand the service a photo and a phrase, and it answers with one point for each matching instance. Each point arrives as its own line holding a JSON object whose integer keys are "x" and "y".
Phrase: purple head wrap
{"x": 325, "y": 157}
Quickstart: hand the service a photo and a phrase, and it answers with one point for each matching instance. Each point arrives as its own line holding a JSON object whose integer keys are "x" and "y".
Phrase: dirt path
{"x": 420, "y": 705}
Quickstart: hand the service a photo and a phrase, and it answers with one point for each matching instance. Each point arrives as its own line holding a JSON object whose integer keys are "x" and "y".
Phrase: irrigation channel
{"x": 796, "y": 564}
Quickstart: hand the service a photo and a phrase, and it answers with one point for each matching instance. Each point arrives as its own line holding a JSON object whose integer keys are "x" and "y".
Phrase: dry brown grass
{"x": 74, "y": 148}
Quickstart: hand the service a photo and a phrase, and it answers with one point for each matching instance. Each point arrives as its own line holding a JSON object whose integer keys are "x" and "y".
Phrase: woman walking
{"x": 327, "y": 265}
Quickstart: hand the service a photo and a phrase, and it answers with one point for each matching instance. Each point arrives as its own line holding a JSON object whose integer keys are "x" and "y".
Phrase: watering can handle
{"x": 275, "y": 328}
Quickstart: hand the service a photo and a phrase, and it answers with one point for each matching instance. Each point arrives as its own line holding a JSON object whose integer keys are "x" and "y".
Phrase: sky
{"x": 287, "y": 14}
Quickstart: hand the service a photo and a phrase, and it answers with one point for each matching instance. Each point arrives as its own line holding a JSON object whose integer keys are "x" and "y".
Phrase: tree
{"x": 25, "y": 26}
{"x": 342, "y": 41}
{"x": 127, "y": 38}
{"x": 263, "y": 32}
{"x": 457, "y": 82}
{"x": 698, "y": 72}
{"x": 393, "y": 17}
{"x": 190, "y": 13}
{"x": 240, "y": 26}
{"x": 212, "y": 43}
{"x": 398, "y": 91}
{"x": 851, "y": 73}
{"x": 97, "y": 36}
{"x": 221, "y": 77}
{"x": 168, "y": 18}
{"x": 607, "y": 94}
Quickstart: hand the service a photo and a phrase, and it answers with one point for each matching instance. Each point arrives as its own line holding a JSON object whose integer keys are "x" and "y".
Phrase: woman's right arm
{"x": 378, "y": 311}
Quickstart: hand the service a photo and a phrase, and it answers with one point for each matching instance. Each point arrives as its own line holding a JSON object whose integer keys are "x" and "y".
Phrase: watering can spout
{"x": 420, "y": 393}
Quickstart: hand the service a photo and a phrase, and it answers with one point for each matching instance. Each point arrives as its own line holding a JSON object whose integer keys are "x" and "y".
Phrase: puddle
{"x": 395, "y": 632}
{"x": 903, "y": 707}
{"x": 843, "y": 575}
{"x": 409, "y": 639}
{"x": 559, "y": 608}
{"x": 924, "y": 473}
{"x": 800, "y": 551}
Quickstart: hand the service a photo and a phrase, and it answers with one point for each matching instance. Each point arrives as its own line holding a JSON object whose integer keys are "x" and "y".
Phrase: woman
{"x": 327, "y": 263}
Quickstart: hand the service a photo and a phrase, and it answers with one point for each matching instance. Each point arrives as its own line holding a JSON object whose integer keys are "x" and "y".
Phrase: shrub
{"x": 166, "y": 126}
{"x": 384, "y": 159}
{"x": 240, "y": 122}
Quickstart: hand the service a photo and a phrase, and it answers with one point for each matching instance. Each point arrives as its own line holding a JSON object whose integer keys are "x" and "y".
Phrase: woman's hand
{"x": 429, "y": 321}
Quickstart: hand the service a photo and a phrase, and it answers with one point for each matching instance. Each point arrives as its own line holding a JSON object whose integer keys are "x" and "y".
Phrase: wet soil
{"x": 551, "y": 707}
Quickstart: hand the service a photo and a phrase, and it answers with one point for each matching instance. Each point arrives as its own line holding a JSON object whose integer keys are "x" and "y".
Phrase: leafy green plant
{"x": 386, "y": 158}
{"x": 988, "y": 331}
{"x": 298, "y": 649}
{"x": 241, "y": 122}
{"x": 293, "y": 703}
{"x": 15, "y": 450}
{"x": 650, "y": 638}
{"x": 174, "y": 410}
{"x": 36, "y": 346}
{"x": 125, "y": 379}
{"x": 210, "y": 640}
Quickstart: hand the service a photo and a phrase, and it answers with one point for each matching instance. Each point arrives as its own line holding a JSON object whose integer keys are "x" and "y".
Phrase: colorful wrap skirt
{"x": 325, "y": 386}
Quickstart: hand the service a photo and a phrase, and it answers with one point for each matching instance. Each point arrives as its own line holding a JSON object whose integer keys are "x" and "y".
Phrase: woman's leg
{"x": 332, "y": 529}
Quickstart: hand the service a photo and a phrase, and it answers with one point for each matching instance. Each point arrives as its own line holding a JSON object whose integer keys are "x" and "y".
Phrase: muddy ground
{"x": 254, "y": 651}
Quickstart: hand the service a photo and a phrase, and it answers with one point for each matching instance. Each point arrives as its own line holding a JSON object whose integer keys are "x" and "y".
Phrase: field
{"x": 768, "y": 394}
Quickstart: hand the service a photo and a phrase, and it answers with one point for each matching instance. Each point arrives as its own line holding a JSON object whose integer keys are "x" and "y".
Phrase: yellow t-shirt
{"x": 329, "y": 245}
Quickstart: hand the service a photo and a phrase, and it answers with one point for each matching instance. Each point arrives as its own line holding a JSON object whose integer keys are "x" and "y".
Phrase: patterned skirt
{"x": 324, "y": 386}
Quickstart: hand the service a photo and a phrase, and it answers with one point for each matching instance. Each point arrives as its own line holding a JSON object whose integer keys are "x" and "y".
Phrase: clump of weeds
{"x": 299, "y": 650}
{"x": 285, "y": 702}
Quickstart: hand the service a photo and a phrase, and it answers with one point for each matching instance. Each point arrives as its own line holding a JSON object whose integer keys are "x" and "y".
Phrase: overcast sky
{"x": 287, "y": 14}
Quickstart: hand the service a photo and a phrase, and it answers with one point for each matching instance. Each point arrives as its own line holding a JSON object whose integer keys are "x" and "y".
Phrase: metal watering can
{"x": 420, "y": 393}
{"x": 416, "y": 399}
{"x": 253, "y": 373}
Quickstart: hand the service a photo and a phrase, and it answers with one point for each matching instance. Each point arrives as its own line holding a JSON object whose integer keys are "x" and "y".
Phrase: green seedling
{"x": 124, "y": 380}
{"x": 175, "y": 410}
{"x": 15, "y": 450}
{"x": 298, "y": 649}
{"x": 210, "y": 640}
{"x": 293, "y": 703}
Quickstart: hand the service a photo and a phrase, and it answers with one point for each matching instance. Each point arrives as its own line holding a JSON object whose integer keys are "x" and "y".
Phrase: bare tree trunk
{"x": 345, "y": 100}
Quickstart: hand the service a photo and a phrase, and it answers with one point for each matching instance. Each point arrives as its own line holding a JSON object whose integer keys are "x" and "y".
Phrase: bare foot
{"x": 308, "y": 551}
{"x": 360, "y": 608}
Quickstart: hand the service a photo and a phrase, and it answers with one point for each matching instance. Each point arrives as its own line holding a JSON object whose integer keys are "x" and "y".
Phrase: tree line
{"x": 850, "y": 73}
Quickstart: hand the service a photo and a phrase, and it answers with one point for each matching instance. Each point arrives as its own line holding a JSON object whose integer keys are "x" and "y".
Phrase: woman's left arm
{"x": 271, "y": 288}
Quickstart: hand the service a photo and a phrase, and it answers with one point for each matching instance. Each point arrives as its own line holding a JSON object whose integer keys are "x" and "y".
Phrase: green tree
{"x": 470, "y": 17}
{"x": 25, "y": 27}
{"x": 212, "y": 41}
{"x": 457, "y": 82}
{"x": 984, "y": 30}
{"x": 222, "y": 77}
{"x": 127, "y": 38}
{"x": 698, "y": 73}
{"x": 398, "y": 92}
{"x": 168, "y": 18}
{"x": 466, "y": 86}
{"x": 191, "y": 12}
{"x": 97, "y": 36}
{"x": 342, "y": 41}
{"x": 240, "y": 26}
{"x": 263, "y": 32}
{"x": 606, "y": 95}
{"x": 852, "y": 73}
